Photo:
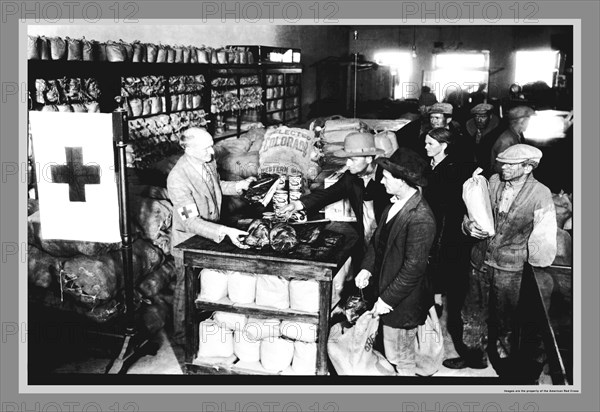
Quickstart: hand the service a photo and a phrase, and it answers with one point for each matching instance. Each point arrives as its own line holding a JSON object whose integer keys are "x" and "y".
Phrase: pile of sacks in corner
{"x": 86, "y": 277}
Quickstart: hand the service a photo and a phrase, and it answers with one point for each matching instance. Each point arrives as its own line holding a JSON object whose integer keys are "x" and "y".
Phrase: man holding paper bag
{"x": 525, "y": 231}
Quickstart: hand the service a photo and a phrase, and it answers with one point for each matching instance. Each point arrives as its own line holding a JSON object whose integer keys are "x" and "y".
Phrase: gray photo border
{"x": 13, "y": 233}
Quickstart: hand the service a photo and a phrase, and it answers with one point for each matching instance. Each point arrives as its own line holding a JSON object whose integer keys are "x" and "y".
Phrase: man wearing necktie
{"x": 196, "y": 193}
{"x": 518, "y": 120}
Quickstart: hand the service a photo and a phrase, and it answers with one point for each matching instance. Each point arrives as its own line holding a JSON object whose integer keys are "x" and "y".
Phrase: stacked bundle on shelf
{"x": 277, "y": 344}
{"x": 186, "y": 92}
{"x": 57, "y": 48}
{"x": 156, "y": 137}
{"x": 67, "y": 95}
{"x": 145, "y": 95}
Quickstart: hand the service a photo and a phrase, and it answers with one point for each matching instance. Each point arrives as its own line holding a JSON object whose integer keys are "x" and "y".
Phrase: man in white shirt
{"x": 397, "y": 258}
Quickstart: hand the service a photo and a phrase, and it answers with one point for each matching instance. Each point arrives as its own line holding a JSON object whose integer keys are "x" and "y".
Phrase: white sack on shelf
{"x": 213, "y": 284}
{"x": 214, "y": 340}
{"x": 257, "y": 329}
{"x": 277, "y": 354}
{"x": 306, "y": 332}
{"x": 241, "y": 287}
{"x": 246, "y": 349}
{"x": 230, "y": 321}
{"x": 304, "y": 295}
{"x": 272, "y": 291}
{"x": 305, "y": 358}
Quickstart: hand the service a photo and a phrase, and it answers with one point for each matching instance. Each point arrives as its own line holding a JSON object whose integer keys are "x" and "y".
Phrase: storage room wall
{"x": 501, "y": 41}
{"x": 316, "y": 42}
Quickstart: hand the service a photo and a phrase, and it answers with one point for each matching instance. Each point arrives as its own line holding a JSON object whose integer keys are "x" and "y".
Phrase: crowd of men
{"x": 417, "y": 243}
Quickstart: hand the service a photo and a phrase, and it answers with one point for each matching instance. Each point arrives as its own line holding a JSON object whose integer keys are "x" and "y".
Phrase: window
{"x": 535, "y": 66}
{"x": 400, "y": 64}
{"x": 457, "y": 71}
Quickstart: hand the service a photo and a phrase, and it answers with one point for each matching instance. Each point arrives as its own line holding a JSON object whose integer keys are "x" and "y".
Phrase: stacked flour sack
{"x": 261, "y": 343}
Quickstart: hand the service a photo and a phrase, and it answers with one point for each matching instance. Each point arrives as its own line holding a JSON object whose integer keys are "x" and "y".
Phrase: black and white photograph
{"x": 299, "y": 204}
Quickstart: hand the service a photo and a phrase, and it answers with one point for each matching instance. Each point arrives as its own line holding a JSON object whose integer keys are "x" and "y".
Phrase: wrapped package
{"x": 245, "y": 348}
{"x": 241, "y": 287}
{"x": 476, "y": 196}
{"x": 304, "y": 361}
{"x": 58, "y": 48}
{"x": 213, "y": 284}
{"x": 387, "y": 142}
{"x": 74, "y": 49}
{"x": 302, "y": 331}
{"x": 214, "y": 340}
{"x": 272, "y": 291}
{"x": 276, "y": 354}
{"x": 304, "y": 295}
{"x": 259, "y": 329}
{"x": 230, "y": 321}
{"x": 33, "y": 52}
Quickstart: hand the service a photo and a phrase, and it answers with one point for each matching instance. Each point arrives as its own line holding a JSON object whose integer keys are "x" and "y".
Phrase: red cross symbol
{"x": 75, "y": 174}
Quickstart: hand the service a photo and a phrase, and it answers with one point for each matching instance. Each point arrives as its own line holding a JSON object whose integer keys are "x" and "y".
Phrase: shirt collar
{"x": 370, "y": 176}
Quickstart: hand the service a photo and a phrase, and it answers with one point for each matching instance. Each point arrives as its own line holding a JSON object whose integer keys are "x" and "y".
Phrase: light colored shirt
{"x": 508, "y": 196}
{"x": 369, "y": 221}
{"x": 398, "y": 204}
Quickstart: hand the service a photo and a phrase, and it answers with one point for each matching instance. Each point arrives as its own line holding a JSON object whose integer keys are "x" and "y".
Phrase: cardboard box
{"x": 339, "y": 211}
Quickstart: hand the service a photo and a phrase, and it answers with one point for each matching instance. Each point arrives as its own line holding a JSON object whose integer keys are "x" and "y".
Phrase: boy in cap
{"x": 518, "y": 120}
{"x": 525, "y": 232}
{"x": 397, "y": 258}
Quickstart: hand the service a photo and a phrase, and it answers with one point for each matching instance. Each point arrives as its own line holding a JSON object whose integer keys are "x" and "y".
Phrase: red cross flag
{"x": 77, "y": 185}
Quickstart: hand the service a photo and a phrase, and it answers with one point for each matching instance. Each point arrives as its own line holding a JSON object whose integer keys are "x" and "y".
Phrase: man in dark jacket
{"x": 397, "y": 258}
{"x": 360, "y": 184}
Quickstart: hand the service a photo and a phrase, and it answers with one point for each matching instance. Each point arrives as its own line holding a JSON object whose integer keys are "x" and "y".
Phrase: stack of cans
{"x": 295, "y": 184}
{"x": 280, "y": 200}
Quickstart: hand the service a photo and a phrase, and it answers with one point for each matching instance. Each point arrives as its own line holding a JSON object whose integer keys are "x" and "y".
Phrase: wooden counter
{"x": 317, "y": 262}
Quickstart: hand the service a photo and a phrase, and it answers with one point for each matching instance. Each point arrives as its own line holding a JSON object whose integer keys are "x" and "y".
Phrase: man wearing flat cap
{"x": 518, "y": 120}
{"x": 397, "y": 256}
{"x": 525, "y": 232}
{"x": 483, "y": 130}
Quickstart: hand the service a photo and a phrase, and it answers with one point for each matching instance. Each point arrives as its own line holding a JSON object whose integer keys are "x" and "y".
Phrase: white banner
{"x": 77, "y": 185}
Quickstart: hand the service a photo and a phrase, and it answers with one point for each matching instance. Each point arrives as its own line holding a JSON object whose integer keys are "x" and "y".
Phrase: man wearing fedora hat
{"x": 360, "y": 184}
{"x": 525, "y": 232}
{"x": 397, "y": 258}
{"x": 518, "y": 120}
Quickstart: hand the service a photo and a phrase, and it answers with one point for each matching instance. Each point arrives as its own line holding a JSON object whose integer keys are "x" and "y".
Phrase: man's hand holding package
{"x": 381, "y": 308}
{"x": 243, "y": 185}
{"x": 471, "y": 228}
{"x": 362, "y": 279}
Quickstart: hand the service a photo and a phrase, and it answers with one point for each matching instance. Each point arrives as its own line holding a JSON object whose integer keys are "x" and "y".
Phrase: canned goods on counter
{"x": 295, "y": 181}
{"x": 295, "y": 195}
{"x": 281, "y": 183}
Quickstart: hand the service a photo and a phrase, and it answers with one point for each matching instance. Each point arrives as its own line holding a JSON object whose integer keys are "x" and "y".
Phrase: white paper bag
{"x": 304, "y": 295}
{"x": 241, "y": 287}
{"x": 214, "y": 340}
{"x": 476, "y": 196}
{"x": 276, "y": 354}
{"x": 213, "y": 285}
